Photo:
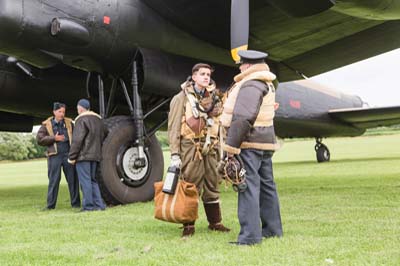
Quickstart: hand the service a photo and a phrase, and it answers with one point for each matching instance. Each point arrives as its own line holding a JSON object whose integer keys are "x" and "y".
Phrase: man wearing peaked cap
{"x": 248, "y": 116}
{"x": 56, "y": 134}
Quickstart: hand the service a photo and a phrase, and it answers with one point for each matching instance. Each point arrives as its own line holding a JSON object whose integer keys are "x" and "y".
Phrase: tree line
{"x": 19, "y": 146}
{"x": 23, "y": 146}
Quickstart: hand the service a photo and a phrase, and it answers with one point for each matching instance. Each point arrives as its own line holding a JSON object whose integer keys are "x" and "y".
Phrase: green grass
{"x": 346, "y": 211}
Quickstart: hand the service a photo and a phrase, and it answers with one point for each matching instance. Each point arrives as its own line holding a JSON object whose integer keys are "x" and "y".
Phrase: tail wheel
{"x": 323, "y": 154}
{"x": 120, "y": 181}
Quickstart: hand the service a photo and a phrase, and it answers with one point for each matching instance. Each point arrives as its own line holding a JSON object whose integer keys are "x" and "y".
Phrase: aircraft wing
{"x": 337, "y": 33}
{"x": 368, "y": 117}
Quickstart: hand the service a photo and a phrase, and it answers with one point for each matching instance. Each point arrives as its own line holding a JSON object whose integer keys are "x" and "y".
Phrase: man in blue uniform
{"x": 248, "y": 115}
{"x": 56, "y": 134}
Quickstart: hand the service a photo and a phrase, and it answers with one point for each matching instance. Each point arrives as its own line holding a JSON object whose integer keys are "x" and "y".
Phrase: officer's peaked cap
{"x": 252, "y": 57}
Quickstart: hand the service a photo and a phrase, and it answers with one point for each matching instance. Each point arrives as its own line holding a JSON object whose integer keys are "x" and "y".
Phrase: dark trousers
{"x": 260, "y": 200}
{"x": 90, "y": 189}
{"x": 54, "y": 165}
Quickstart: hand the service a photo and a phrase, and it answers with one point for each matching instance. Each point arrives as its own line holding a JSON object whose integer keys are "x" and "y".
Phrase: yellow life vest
{"x": 266, "y": 114}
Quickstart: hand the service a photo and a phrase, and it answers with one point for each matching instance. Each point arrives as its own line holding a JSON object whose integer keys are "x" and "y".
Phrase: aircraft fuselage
{"x": 302, "y": 112}
{"x": 96, "y": 36}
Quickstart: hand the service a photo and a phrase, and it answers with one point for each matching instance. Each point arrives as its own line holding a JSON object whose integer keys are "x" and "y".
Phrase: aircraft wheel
{"x": 323, "y": 154}
{"x": 120, "y": 182}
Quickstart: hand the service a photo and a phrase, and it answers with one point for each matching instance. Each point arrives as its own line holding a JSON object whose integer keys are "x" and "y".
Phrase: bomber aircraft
{"x": 129, "y": 57}
{"x": 306, "y": 109}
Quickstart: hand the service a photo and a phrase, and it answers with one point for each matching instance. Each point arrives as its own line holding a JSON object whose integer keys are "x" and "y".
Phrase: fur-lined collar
{"x": 257, "y": 71}
{"x": 188, "y": 85}
{"x": 86, "y": 114}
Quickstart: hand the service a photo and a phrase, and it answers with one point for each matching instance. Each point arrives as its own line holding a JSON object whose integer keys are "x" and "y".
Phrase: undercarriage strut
{"x": 138, "y": 118}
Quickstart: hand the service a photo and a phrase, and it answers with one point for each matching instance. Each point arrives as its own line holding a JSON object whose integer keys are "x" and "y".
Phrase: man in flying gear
{"x": 193, "y": 131}
{"x": 248, "y": 117}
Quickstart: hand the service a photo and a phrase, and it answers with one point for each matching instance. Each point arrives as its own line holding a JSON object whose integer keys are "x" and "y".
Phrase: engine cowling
{"x": 163, "y": 73}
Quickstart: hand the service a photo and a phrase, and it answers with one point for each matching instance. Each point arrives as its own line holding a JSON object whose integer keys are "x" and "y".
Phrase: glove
{"x": 176, "y": 161}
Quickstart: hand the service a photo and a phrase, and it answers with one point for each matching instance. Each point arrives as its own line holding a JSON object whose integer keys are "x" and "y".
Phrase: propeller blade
{"x": 239, "y": 27}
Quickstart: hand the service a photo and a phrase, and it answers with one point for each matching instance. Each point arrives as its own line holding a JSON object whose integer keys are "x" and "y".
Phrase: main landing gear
{"x": 322, "y": 151}
{"x": 132, "y": 159}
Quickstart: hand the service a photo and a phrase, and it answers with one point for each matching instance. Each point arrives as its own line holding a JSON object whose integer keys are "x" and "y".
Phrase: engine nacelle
{"x": 164, "y": 73}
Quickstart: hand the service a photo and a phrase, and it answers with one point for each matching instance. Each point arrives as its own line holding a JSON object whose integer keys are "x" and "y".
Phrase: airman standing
{"x": 193, "y": 129}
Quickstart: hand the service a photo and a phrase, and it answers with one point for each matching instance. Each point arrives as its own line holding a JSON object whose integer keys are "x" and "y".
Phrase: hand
{"x": 71, "y": 161}
{"x": 176, "y": 161}
{"x": 59, "y": 138}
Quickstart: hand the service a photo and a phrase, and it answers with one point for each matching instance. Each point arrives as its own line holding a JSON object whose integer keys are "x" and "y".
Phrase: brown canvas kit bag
{"x": 181, "y": 207}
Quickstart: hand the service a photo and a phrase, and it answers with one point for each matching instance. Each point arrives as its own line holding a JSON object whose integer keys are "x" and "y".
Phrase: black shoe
{"x": 76, "y": 207}
{"x": 47, "y": 209}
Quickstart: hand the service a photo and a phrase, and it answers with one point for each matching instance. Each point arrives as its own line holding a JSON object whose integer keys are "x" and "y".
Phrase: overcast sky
{"x": 376, "y": 80}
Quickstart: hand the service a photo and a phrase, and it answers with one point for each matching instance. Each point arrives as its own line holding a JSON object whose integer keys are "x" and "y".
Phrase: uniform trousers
{"x": 90, "y": 188}
{"x": 201, "y": 171}
{"x": 258, "y": 205}
{"x": 54, "y": 165}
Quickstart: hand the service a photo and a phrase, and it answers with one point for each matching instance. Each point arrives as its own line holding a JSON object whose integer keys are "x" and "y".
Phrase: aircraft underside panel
{"x": 293, "y": 128}
{"x": 15, "y": 122}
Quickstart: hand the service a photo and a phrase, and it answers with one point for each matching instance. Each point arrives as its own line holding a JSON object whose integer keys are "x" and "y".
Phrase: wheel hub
{"x": 133, "y": 173}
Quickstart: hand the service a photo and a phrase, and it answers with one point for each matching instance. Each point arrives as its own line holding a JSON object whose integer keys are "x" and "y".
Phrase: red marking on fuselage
{"x": 295, "y": 104}
{"x": 107, "y": 20}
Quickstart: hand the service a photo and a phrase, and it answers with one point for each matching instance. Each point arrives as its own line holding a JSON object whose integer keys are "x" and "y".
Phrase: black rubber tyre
{"x": 323, "y": 154}
{"x": 112, "y": 181}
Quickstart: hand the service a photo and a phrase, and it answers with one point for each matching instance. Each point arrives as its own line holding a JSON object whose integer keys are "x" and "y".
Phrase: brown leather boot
{"x": 213, "y": 212}
{"x": 188, "y": 230}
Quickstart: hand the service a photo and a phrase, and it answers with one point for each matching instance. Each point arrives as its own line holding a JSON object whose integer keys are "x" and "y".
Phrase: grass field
{"x": 346, "y": 212}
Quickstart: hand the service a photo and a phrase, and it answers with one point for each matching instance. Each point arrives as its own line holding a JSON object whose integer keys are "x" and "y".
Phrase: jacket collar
{"x": 257, "y": 71}
{"x": 189, "y": 87}
{"x": 87, "y": 113}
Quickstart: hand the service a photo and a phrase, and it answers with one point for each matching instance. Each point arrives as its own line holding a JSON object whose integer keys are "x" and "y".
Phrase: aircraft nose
{"x": 10, "y": 20}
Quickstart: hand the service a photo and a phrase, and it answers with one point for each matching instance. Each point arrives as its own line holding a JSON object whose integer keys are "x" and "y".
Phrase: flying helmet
{"x": 233, "y": 171}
